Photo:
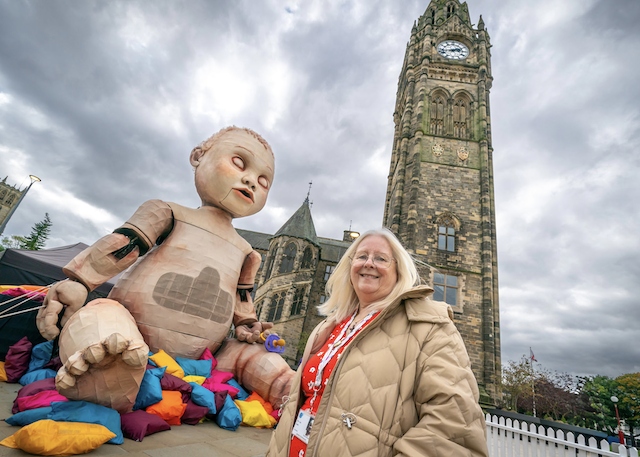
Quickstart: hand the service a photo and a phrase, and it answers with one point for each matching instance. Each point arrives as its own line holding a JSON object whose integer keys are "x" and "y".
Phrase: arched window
{"x": 267, "y": 273}
{"x": 3, "y": 194}
{"x": 286, "y": 265}
{"x": 307, "y": 258}
{"x": 461, "y": 118}
{"x": 447, "y": 226}
{"x": 450, "y": 10}
{"x": 11, "y": 198}
{"x": 277, "y": 304}
{"x": 445, "y": 288}
{"x": 437, "y": 115}
{"x": 298, "y": 299}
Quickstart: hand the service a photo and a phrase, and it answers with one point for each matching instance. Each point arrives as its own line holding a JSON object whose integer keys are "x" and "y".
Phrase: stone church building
{"x": 439, "y": 200}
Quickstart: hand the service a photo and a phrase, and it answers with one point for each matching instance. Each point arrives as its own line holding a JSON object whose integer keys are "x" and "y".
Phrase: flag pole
{"x": 533, "y": 380}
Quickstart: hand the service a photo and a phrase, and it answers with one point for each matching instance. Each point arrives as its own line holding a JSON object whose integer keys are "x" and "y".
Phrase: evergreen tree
{"x": 38, "y": 236}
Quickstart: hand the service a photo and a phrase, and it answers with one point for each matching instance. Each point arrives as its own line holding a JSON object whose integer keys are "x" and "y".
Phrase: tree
{"x": 517, "y": 378}
{"x": 595, "y": 397}
{"x": 11, "y": 242}
{"x": 38, "y": 236}
{"x": 628, "y": 392}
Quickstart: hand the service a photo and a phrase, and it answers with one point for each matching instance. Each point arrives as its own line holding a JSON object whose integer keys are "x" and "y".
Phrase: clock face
{"x": 453, "y": 50}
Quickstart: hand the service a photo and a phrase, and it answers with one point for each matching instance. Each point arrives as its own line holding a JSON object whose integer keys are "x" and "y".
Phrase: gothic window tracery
{"x": 277, "y": 305}
{"x": 447, "y": 226}
{"x": 461, "y": 117}
{"x": 437, "y": 114}
{"x": 11, "y": 198}
{"x": 286, "y": 265}
{"x": 307, "y": 258}
{"x": 3, "y": 194}
{"x": 296, "y": 304}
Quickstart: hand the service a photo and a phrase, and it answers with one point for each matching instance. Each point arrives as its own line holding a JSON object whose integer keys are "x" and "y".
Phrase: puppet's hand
{"x": 251, "y": 333}
{"x": 67, "y": 296}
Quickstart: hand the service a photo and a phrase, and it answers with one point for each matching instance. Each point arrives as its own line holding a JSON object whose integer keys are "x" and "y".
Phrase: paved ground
{"x": 202, "y": 440}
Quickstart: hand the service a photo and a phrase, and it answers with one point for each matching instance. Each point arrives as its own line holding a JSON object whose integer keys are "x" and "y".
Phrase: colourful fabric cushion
{"x": 207, "y": 355}
{"x": 16, "y": 363}
{"x": 242, "y": 394}
{"x": 47, "y": 437}
{"x": 32, "y": 389}
{"x": 218, "y": 382}
{"x": 150, "y": 391}
{"x": 40, "y": 400}
{"x": 203, "y": 397}
{"x": 197, "y": 379}
{"x": 265, "y": 404}
{"x": 36, "y": 375}
{"x": 29, "y": 416}
{"x": 254, "y": 414}
{"x": 40, "y": 355}
{"x": 170, "y": 382}
{"x": 194, "y": 367}
{"x": 170, "y": 408}
{"x": 89, "y": 413}
{"x": 3, "y": 373}
{"x": 162, "y": 359}
{"x": 229, "y": 417}
{"x": 193, "y": 414}
{"x": 138, "y": 424}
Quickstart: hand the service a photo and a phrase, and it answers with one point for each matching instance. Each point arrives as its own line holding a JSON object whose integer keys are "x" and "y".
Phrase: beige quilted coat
{"x": 407, "y": 381}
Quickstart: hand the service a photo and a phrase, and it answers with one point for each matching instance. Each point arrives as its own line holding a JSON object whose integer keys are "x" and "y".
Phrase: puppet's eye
{"x": 264, "y": 182}
{"x": 238, "y": 162}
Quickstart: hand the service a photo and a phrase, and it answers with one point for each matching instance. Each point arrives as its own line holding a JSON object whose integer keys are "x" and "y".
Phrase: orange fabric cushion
{"x": 170, "y": 408}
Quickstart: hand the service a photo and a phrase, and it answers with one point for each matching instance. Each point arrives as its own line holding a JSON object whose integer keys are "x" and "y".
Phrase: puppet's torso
{"x": 182, "y": 292}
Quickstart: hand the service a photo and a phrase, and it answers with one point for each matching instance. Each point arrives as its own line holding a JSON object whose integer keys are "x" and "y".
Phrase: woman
{"x": 386, "y": 373}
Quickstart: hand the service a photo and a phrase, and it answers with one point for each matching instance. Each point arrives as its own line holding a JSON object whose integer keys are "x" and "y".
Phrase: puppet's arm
{"x": 103, "y": 260}
{"x": 248, "y": 328}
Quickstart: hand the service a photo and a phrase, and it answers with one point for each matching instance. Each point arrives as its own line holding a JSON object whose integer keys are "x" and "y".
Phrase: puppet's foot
{"x": 103, "y": 356}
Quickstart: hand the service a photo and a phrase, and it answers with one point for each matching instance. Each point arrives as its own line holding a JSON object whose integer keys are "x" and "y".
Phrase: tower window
{"x": 437, "y": 115}
{"x": 447, "y": 238}
{"x": 289, "y": 256}
{"x": 450, "y": 10}
{"x": 461, "y": 118}
{"x": 445, "y": 288}
{"x": 296, "y": 305}
{"x": 328, "y": 270}
{"x": 307, "y": 259}
{"x": 277, "y": 304}
{"x": 11, "y": 198}
{"x": 267, "y": 273}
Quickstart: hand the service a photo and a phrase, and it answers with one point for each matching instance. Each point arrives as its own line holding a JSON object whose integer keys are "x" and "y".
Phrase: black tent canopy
{"x": 37, "y": 268}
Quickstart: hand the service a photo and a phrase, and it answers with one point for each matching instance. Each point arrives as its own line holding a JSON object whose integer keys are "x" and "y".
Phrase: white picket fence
{"x": 511, "y": 438}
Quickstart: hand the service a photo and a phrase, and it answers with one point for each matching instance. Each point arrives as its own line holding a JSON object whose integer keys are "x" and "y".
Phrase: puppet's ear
{"x": 196, "y": 155}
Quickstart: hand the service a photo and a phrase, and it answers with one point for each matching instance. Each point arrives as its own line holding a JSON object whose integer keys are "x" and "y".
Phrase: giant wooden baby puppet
{"x": 190, "y": 278}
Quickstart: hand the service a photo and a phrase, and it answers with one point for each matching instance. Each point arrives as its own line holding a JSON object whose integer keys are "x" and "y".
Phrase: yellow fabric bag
{"x": 162, "y": 359}
{"x": 48, "y": 437}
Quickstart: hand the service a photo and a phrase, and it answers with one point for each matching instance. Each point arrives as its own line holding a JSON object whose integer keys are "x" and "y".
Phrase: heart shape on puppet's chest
{"x": 198, "y": 296}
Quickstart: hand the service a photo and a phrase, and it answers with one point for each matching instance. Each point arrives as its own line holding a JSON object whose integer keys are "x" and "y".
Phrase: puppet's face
{"x": 235, "y": 174}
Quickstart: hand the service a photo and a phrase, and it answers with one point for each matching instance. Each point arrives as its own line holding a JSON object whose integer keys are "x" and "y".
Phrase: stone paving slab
{"x": 202, "y": 440}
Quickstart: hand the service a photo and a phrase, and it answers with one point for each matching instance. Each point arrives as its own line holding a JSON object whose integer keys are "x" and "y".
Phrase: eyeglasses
{"x": 381, "y": 261}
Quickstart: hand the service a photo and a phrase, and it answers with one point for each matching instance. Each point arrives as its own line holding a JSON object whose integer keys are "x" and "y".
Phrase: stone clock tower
{"x": 440, "y": 199}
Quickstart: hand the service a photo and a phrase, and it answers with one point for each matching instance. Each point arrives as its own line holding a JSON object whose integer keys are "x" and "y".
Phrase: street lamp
{"x": 614, "y": 399}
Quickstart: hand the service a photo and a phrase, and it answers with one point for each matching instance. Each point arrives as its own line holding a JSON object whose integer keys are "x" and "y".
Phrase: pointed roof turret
{"x": 300, "y": 225}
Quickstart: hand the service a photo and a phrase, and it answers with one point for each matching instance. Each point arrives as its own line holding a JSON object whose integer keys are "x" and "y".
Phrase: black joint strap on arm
{"x": 134, "y": 240}
{"x": 243, "y": 293}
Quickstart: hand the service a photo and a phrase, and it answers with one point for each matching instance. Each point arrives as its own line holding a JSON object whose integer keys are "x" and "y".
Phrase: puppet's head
{"x": 234, "y": 171}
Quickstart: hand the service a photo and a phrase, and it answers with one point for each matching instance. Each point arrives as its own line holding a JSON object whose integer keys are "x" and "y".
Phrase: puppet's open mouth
{"x": 246, "y": 194}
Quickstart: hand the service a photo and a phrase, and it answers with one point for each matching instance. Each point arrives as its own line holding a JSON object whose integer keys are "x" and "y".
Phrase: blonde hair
{"x": 209, "y": 142}
{"x": 343, "y": 300}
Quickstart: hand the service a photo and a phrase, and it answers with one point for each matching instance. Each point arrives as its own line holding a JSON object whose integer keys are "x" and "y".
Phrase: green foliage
{"x": 628, "y": 393}
{"x": 11, "y": 242}
{"x": 38, "y": 236}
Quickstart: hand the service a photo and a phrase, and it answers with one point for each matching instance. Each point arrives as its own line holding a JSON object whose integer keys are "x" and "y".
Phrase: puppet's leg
{"x": 258, "y": 370}
{"x": 104, "y": 356}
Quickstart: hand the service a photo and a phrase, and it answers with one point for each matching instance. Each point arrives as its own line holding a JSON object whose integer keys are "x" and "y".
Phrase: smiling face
{"x": 370, "y": 281}
{"x": 235, "y": 174}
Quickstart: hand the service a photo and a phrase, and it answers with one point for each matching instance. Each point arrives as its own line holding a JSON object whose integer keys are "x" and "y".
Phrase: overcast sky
{"x": 104, "y": 101}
